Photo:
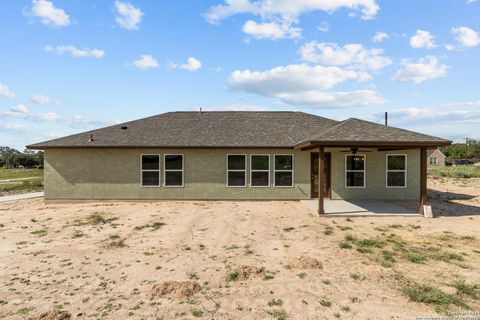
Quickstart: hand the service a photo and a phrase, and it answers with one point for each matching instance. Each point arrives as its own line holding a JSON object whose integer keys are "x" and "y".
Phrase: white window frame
{"x": 434, "y": 162}
{"x": 256, "y": 170}
{"x": 387, "y": 171}
{"x": 149, "y": 170}
{"x": 165, "y": 170}
{"x": 236, "y": 170}
{"x": 292, "y": 171}
{"x": 364, "y": 171}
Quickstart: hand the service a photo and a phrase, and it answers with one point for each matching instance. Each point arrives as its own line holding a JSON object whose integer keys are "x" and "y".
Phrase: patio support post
{"x": 423, "y": 179}
{"x": 321, "y": 173}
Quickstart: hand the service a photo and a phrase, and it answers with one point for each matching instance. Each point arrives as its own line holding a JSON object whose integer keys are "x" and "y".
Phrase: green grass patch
{"x": 197, "y": 313}
{"x": 470, "y": 290}
{"x": 463, "y": 172}
{"x": 431, "y": 295}
{"x": 325, "y": 303}
{"x": 448, "y": 256}
{"x": 40, "y": 233}
{"x": 233, "y": 276}
{"x": 355, "y": 276}
{"x": 30, "y": 185}
{"x": 275, "y": 302}
{"x": 6, "y": 174}
{"x": 345, "y": 245}
{"x": 415, "y": 257}
{"x": 278, "y": 314}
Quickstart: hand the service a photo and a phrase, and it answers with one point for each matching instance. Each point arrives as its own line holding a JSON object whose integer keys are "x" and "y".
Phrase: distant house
{"x": 239, "y": 156}
{"x": 435, "y": 158}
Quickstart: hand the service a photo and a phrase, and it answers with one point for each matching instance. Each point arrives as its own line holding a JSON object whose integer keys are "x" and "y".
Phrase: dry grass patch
{"x": 305, "y": 262}
{"x": 243, "y": 273}
{"x": 179, "y": 290}
{"x": 53, "y": 315}
{"x": 95, "y": 219}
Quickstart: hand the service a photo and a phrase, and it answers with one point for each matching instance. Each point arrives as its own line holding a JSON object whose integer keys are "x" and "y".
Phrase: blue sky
{"x": 70, "y": 66}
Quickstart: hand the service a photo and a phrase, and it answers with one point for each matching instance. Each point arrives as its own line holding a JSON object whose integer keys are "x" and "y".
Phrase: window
{"x": 260, "y": 170}
{"x": 173, "y": 170}
{"x": 283, "y": 170}
{"x": 433, "y": 160}
{"x": 236, "y": 170}
{"x": 396, "y": 170}
{"x": 150, "y": 170}
{"x": 355, "y": 171}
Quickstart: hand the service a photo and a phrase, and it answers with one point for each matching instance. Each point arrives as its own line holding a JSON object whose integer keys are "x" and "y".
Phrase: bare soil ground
{"x": 236, "y": 260}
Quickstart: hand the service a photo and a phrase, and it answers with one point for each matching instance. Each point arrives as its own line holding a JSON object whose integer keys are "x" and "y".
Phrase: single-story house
{"x": 239, "y": 156}
{"x": 435, "y": 158}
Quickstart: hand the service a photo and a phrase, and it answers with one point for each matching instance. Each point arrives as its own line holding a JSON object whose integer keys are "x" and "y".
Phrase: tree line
{"x": 12, "y": 158}
{"x": 468, "y": 150}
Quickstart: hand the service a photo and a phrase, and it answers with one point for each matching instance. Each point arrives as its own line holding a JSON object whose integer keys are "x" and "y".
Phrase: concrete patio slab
{"x": 360, "y": 208}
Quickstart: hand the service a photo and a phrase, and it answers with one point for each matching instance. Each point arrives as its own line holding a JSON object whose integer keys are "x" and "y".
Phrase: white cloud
{"x": 353, "y": 55}
{"x": 339, "y": 99}
{"x": 49, "y": 14}
{"x": 418, "y": 71}
{"x": 73, "y": 121}
{"x": 6, "y": 93}
{"x": 271, "y": 30}
{"x": 379, "y": 37}
{"x": 450, "y": 47}
{"x": 454, "y": 121}
{"x": 146, "y": 61}
{"x": 422, "y": 39}
{"x": 466, "y": 37}
{"x": 471, "y": 1}
{"x": 43, "y": 100}
{"x": 128, "y": 16}
{"x": 20, "y": 108}
{"x": 461, "y": 114}
{"x": 76, "y": 52}
{"x": 191, "y": 65}
{"x": 324, "y": 27}
{"x": 304, "y": 85}
{"x": 288, "y": 10}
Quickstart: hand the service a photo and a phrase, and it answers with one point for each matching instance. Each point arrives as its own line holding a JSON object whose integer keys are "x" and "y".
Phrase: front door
{"x": 314, "y": 175}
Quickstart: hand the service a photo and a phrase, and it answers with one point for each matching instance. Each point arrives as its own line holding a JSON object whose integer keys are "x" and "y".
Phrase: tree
{"x": 469, "y": 150}
{"x": 12, "y": 158}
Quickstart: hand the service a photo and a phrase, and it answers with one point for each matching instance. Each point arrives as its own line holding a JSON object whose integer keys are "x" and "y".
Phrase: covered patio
{"x": 356, "y": 137}
{"x": 364, "y": 207}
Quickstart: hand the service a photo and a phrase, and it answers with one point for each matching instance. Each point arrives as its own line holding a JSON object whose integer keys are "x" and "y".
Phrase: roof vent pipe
{"x": 200, "y": 109}
{"x": 386, "y": 118}
{"x": 91, "y": 138}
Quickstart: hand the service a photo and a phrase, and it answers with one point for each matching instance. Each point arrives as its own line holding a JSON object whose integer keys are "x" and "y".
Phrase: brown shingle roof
{"x": 361, "y": 132}
{"x": 206, "y": 129}
{"x": 238, "y": 129}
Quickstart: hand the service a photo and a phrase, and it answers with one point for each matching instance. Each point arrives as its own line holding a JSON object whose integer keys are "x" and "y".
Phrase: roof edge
{"x": 416, "y": 144}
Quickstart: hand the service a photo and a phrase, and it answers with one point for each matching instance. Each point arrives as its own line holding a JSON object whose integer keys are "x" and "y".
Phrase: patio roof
{"x": 360, "y": 133}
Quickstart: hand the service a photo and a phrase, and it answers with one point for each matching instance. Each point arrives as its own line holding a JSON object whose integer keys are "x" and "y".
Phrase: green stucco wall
{"x": 376, "y": 177}
{"x": 115, "y": 174}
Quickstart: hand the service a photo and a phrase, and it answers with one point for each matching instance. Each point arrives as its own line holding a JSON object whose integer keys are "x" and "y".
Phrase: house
{"x": 239, "y": 156}
{"x": 435, "y": 158}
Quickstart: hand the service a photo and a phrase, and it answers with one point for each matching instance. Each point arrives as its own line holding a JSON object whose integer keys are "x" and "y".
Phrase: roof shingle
{"x": 237, "y": 129}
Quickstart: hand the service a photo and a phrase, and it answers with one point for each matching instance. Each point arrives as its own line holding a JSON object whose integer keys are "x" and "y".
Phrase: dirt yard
{"x": 236, "y": 260}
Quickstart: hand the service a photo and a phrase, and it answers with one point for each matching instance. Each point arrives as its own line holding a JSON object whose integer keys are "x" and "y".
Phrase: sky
{"x": 68, "y": 66}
